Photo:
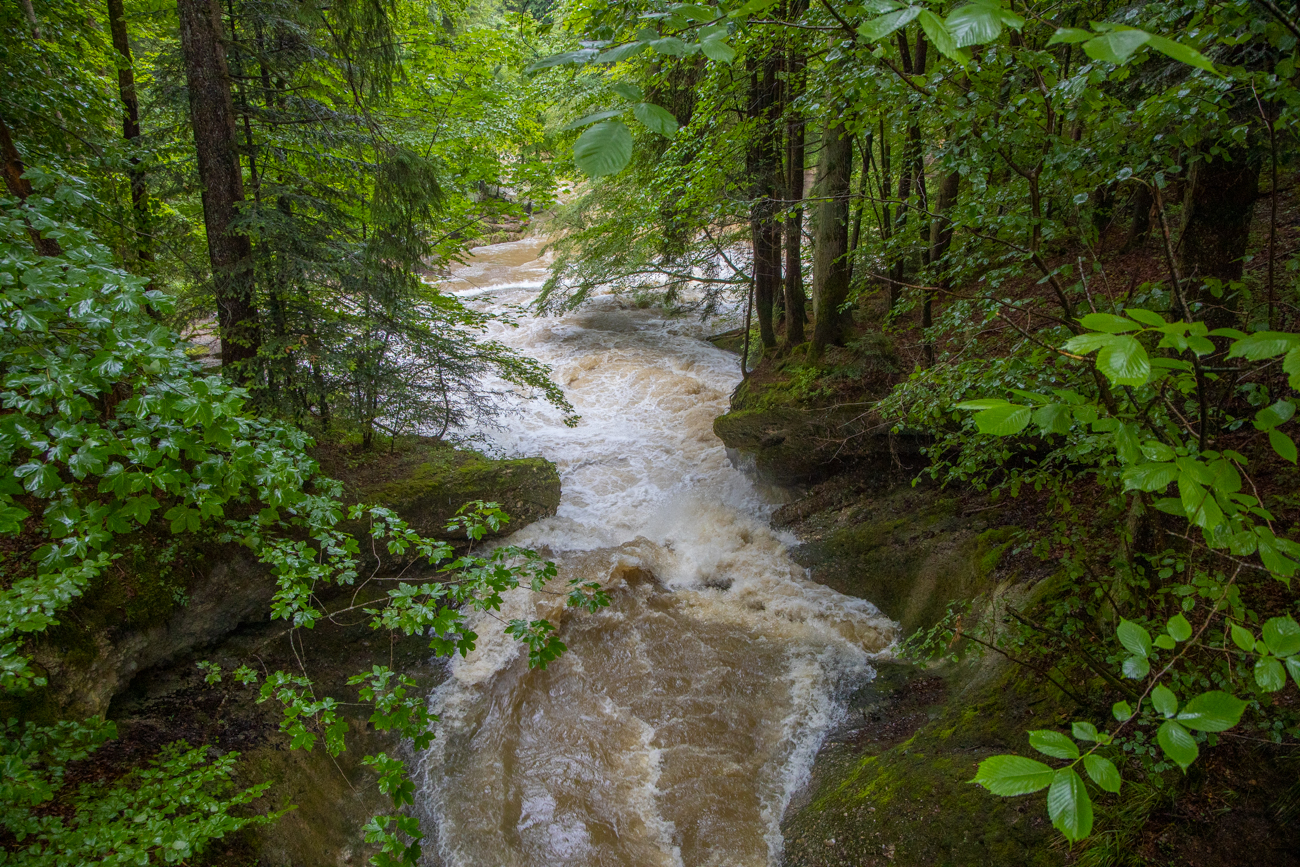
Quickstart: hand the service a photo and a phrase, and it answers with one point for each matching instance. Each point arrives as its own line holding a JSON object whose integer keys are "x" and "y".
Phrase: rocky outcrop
{"x": 890, "y": 785}
{"x": 232, "y": 588}
{"x": 426, "y": 481}
{"x": 152, "y": 608}
{"x": 329, "y": 799}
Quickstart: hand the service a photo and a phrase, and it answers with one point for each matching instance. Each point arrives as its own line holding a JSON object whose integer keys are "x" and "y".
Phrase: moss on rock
{"x": 912, "y": 804}
{"x": 426, "y": 481}
{"x": 910, "y": 551}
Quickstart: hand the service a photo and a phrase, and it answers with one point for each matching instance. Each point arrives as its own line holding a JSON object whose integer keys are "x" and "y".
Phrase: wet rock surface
{"x": 329, "y": 799}
{"x": 426, "y": 481}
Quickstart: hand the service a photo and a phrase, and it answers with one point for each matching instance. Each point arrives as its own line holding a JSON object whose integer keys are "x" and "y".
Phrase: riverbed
{"x": 685, "y": 715}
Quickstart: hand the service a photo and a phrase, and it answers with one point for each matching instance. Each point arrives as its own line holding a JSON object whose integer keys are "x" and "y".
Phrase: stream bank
{"x": 891, "y": 782}
{"x": 139, "y": 642}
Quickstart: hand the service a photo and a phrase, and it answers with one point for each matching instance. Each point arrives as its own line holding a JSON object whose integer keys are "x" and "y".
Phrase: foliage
{"x": 375, "y": 140}
{"x": 109, "y": 428}
{"x": 164, "y": 813}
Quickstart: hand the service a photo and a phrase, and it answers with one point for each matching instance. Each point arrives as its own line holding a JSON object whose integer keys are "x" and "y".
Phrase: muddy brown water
{"x": 684, "y": 716}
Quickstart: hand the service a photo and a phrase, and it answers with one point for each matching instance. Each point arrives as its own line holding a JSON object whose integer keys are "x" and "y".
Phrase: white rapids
{"x": 683, "y": 717}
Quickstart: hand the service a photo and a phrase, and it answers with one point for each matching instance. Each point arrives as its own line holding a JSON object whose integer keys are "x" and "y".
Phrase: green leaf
{"x": 1136, "y": 667}
{"x": 1198, "y": 503}
{"x": 1003, "y": 420}
{"x": 1084, "y": 731}
{"x": 1069, "y": 36}
{"x": 878, "y": 28}
{"x": 655, "y": 118}
{"x": 1269, "y": 674}
{"x": 604, "y": 149}
{"x": 983, "y": 403}
{"x": 1214, "y": 711}
{"x": 1272, "y": 416}
{"x": 717, "y": 49}
{"x": 1264, "y": 345}
{"x": 1069, "y": 806}
{"x": 974, "y": 23}
{"x": 1293, "y": 666}
{"x": 1243, "y": 638}
{"x": 1055, "y": 418}
{"x": 1178, "y": 628}
{"x": 628, "y": 91}
{"x": 1108, "y": 323}
{"x": 1124, "y": 361}
{"x": 670, "y": 46}
{"x": 1178, "y": 743}
{"x": 1122, "y": 711}
{"x": 1082, "y": 344}
{"x": 1291, "y": 367}
{"x": 1282, "y": 636}
{"x": 1135, "y": 639}
{"x": 1117, "y": 46}
{"x": 1053, "y": 744}
{"x": 938, "y": 34}
{"x": 1150, "y": 477}
{"x": 1164, "y": 701}
{"x": 1009, "y": 776}
{"x": 1146, "y": 317}
{"x": 1283, "y": 445}
{"x": 619, "y": 53}
{"x": 592, "y": 118}
{"x": 1103, "y": 772}
{"x": 1181, "y": 53}
{"x": 1127, "y": 447}
{"x": 1165, "y": 642}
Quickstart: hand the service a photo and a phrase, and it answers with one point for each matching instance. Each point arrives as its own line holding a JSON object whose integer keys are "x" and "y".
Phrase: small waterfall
{"x": 683, "y": 717}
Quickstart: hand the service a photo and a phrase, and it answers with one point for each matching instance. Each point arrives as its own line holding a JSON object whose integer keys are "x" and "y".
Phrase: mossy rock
{"x": 427, "y": 481}
{"x": 786, "y": 443}
{"x": 911, "y": 553}
{"x": 912, "y": 804}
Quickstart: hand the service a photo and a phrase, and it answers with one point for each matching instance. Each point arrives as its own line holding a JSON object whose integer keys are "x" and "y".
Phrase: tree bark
{"x": 763, "y": 164}
{"x": 1140, "y": 228}
{"x": 940, "y": 243}
{"x": 131, "y": 128}
{"x": 911, "y": 176}
{"x": 1218, "y": 205}
{"x": 21, "y": 188}
{"x": 213, "y": 118}
{"x": 796, "y": 313}
{"x": 831, "y": 237}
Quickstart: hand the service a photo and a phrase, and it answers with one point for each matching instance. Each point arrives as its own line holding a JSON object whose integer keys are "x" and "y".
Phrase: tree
{"x": 831, "y": 228}
{"x": 212, "y": 118}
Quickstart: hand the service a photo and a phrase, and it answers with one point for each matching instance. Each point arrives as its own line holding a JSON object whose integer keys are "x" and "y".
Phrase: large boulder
{"x": 426, "y": 481}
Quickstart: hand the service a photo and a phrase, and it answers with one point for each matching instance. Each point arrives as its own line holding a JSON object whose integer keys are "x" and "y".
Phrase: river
{"x": 685, "y": 715}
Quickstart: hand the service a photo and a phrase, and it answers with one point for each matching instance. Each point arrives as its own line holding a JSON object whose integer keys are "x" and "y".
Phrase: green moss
{"x": 991, "y": 545}
{"x": 910, "y": 566}
{"x": 913, "y": 805}
{"x": 426, "y": 481}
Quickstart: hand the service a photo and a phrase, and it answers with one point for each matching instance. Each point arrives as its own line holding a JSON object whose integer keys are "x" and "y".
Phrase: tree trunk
{"x": 911, "y": 175}
{"x": 764, "y": 165}
{"x": 1140, "y": 228}
{"x": 20, "y": 188}
{"x": 864, "y": 196}
{"x": 131, "y": 128}
{"x": 795, "y": 302}
{"x": 212, "y": 115}
{"x": 831, "y": 238}
{"x": 940, "y": 243}
{"x": 1218, "y": 205}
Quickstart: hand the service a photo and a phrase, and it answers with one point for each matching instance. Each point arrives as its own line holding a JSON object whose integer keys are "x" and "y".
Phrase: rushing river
{"x": 684, "y": 716}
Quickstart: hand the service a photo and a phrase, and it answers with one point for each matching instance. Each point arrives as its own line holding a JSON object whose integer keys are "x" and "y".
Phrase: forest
{"x": 1041, "y": 259}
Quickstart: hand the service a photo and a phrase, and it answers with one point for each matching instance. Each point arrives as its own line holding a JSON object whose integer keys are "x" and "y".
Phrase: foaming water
{"x": 683, "y": 717}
